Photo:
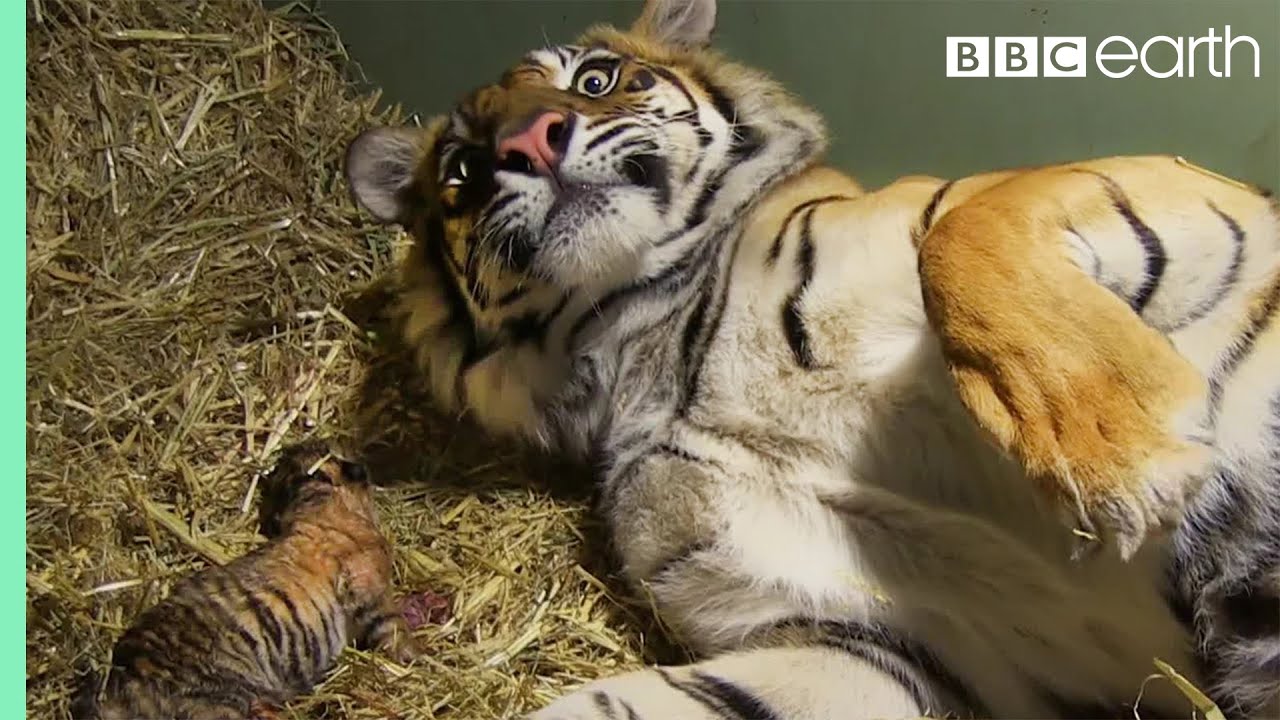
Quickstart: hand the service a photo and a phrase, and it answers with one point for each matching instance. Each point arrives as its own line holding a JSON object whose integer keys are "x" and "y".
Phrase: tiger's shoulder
{"x": 928, "y": 198}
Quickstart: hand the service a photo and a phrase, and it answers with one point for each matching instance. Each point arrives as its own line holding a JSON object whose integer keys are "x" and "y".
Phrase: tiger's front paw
{"x": 1112, "y": 426}
{"x": 1119, "y": 445}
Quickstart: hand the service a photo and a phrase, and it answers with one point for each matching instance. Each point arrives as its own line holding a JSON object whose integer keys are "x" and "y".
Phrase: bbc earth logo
{"x": 1115, "y": 57}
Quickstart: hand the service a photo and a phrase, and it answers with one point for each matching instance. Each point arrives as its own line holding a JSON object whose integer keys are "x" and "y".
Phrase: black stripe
{"x": 650, "y": 170}
{"x": 666, "y": 281}
{"x": 1241, "y": 348}
{"x": 747, "y": 143}
{"x": 775, "y": 249}
{"x": 334, "y": 628}
{"x": 609, "y": 134}
{"x": 631, "y": 712}
{"x": 1155, "y": 258}
{"x": 512, "y": 295}
{"x": 692, "y": 330}
{"x": 692, "y": 691}
{"x": 459, "y": 316}
{"x": 1229, "y": 278}
{"x": 498, "y": 203}
{"x": 515, "y": 249}
{"x": 616, "y": 476}
{"x": 603, "y": 704}
{"x": 636, "y": 143}
{"x": 227, "y": 619}
{"x": 642, "y": 80}
{"x": 532, "y": 327}
{"x": 670, "y": 77}
{"x": 266, "y": 619}
{"x": 735, "y": 699}
{"x": 1095, "y": 271}
{"x": 698, "y": 213}
{"x": 719, "y": 98}
{"x": 792, "y": 321}
{"x": 326, "y": 627}
{"x": 904, "y": 660}
{"x": 690, "y": 117}
{"x": 926, "y": 218}
{"x": 693, "y": 371}
{"x": 187, "y": 636}
{"x": 299, "y": 639}
{"x": 682, "y": 454}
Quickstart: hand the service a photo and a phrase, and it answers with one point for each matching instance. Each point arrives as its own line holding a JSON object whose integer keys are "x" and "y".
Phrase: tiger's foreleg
{"x": 1054, "y": 295}
{"x": 807, "y": 683}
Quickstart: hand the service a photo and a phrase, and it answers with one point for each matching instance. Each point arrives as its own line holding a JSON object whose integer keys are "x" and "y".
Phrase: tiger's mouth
{"x": 644, "y": 170}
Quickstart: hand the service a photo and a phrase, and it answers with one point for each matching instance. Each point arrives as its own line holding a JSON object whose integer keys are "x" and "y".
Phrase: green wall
{"x": 876, "y": 70}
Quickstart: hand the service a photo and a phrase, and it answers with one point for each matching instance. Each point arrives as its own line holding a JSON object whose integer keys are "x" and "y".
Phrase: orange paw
{"x": 1112, "y": 425}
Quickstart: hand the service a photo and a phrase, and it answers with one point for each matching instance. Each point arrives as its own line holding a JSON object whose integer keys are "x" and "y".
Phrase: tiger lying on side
{"x": 848, "y": 441}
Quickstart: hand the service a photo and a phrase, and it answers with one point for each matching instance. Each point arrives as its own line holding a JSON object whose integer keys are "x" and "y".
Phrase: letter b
{"x": 967, "y": 57}
{"x": 1017, "y": 57}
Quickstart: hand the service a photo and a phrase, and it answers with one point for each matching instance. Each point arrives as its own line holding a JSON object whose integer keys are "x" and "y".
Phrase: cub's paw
{"x": 1112, "y": 425}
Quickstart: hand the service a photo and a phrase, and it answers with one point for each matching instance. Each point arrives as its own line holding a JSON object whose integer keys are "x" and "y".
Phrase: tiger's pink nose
{"x": 538, "y": 147}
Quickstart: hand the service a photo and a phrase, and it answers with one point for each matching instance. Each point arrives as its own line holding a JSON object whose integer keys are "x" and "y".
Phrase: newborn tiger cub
{"x": 240, "y": 640}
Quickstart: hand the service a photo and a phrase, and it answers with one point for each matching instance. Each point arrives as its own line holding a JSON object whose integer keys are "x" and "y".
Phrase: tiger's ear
{"x": 381, "y": 165}
{"x": 682, "y": 23}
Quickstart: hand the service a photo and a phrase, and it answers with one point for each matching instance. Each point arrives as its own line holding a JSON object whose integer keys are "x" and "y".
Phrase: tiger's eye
{"x": 594, "y": 82}
{"x": 464, "y": 166}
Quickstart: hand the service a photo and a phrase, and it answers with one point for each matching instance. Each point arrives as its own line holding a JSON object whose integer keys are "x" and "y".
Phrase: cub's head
{"x": 308, "y": 481}
{"x": 586, "y": 169}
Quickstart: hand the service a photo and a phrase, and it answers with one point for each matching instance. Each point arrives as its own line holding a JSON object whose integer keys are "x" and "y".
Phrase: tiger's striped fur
{"x": 847, "y": 441}
{"x": 238, "y": 641}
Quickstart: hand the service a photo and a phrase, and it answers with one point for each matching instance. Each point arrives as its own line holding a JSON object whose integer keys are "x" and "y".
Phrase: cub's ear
{"x": 380, "y": 166}
{"x": 681, "y": 23}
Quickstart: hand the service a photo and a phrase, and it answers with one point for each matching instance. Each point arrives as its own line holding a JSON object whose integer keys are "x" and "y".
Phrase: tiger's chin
{"x": 596, "y": 238}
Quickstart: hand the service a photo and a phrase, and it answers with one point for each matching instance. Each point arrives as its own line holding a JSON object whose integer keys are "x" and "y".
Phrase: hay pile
{"x": 198, "y": 296}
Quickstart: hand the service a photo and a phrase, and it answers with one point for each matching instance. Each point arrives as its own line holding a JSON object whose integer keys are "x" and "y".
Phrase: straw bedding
{"x": 201, "y": 292}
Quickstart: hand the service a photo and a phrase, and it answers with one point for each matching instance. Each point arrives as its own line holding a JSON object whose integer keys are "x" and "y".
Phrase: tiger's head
{"x": 586, "y": 169}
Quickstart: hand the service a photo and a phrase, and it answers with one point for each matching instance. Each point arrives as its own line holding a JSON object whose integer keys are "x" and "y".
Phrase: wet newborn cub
{"x": 238, "y": 641}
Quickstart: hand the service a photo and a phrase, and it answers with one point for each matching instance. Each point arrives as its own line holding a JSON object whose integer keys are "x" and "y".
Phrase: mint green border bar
{"x": 13, "y": 366}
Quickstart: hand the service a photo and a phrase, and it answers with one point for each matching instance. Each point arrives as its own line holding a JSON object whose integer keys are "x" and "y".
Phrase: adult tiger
{"x": 836, "y": 431}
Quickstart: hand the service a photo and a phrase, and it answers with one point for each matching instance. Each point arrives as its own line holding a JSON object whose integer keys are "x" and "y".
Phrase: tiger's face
{"x": 585, "y": 166}
{"x": 541, "y": 201}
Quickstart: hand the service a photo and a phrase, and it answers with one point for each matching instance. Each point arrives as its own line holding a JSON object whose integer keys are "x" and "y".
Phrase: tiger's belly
{"x": 831, "y": 474}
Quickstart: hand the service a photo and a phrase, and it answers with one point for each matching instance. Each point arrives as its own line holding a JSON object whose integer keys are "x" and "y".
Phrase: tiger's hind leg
{"x": 1055, "y": 296}
{"x": 810, "y": 683}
